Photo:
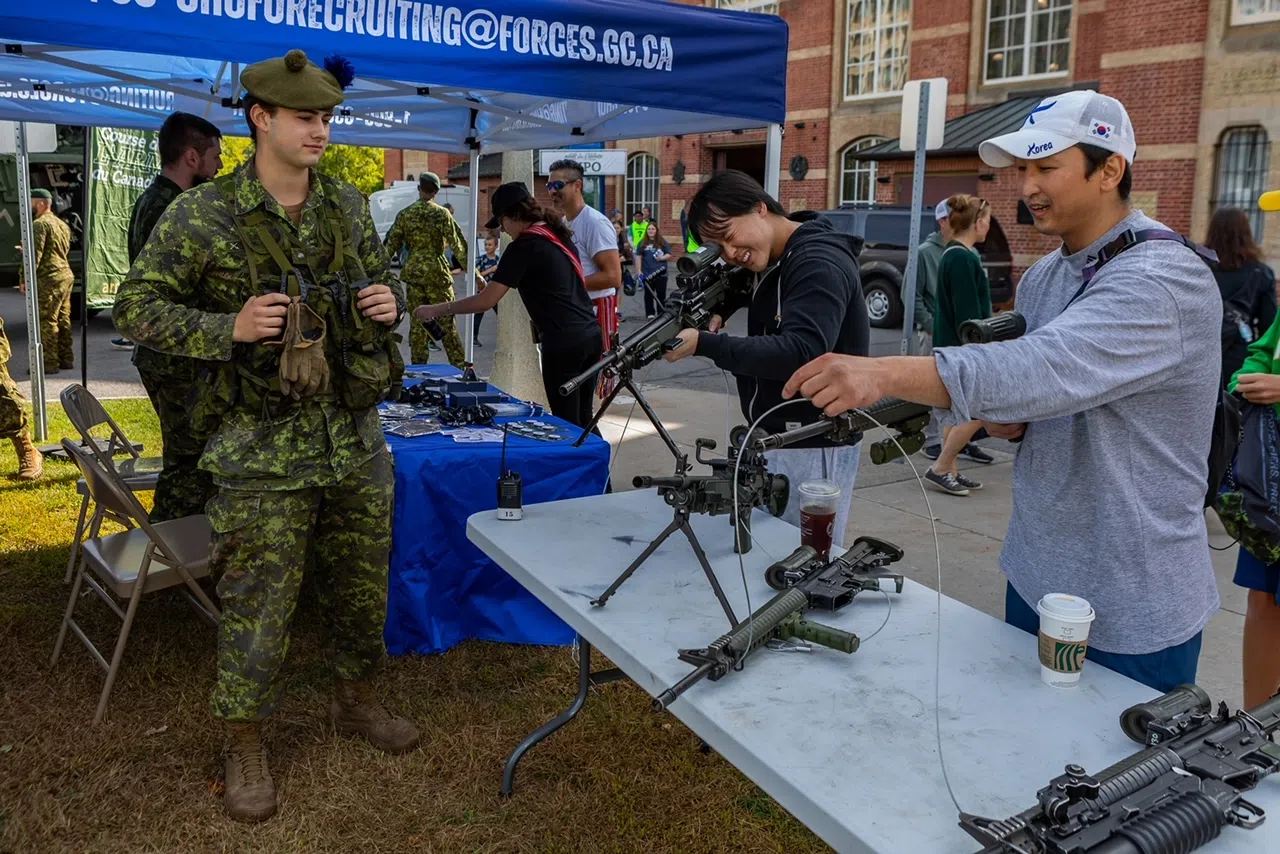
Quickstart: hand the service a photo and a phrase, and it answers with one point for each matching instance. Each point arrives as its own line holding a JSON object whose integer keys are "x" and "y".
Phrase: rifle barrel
{"x": 667, "y": 697}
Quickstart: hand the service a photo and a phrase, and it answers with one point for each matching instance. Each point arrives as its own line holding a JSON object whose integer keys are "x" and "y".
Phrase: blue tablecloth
{"x": 443, "y": 590}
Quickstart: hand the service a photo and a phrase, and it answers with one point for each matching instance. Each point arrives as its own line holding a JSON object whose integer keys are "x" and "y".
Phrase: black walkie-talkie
{"x": 510, "y": 487}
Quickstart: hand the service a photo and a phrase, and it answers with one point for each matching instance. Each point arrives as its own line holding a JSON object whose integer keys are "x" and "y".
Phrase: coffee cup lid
{"x": 820, "y": 488}
{"x": 1064, "y": 606}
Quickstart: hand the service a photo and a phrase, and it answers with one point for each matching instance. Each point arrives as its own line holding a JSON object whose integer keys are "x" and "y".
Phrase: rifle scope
{"x": 690, "y": 265}
{"x": 1004, "y": 326}
{"x": 1183, "y": 700}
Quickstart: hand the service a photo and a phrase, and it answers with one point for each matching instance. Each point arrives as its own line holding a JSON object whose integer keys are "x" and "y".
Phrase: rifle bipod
{"x": 624, "y": 381}
{"x": 680, "y": 523}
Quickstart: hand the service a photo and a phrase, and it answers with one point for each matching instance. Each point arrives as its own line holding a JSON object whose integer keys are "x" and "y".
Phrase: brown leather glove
{"x": 304, "y": 370}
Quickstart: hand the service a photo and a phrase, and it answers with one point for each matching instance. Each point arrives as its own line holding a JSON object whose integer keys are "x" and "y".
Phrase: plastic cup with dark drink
{"x": 818, "y": 502}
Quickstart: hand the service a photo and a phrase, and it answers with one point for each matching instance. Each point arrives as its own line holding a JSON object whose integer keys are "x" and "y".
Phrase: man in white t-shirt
{"x": 597, "y": 245}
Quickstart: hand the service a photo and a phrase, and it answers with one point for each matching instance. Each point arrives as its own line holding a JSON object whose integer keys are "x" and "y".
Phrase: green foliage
{"x": 355, "y": 164}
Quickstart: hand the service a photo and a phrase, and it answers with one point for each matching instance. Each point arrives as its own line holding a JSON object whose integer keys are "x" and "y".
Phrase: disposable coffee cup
{"x": 1064, "y": 638}
{"x": 819, "y": 500}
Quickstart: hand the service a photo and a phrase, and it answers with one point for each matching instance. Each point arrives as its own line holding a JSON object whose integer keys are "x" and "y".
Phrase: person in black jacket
{"x": 1247, "y": 285}
{"x": 807, "y": 301}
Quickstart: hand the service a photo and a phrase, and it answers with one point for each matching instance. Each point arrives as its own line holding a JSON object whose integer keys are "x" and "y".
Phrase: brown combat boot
{"x": 250, "y": 793}
{"x": 356, "y": 711}
{"x": 30, "y": 463}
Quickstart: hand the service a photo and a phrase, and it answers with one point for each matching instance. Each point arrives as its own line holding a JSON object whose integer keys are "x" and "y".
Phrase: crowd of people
{"x": 1111, "y": 392}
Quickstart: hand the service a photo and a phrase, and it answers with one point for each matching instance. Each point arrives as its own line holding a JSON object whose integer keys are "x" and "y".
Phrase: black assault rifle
{"x": 1175, "y": 796}
{"x": 704, "y": 287}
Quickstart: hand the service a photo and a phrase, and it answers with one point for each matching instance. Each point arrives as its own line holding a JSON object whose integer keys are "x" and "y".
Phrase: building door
{"x": 936, "y": 188}
{"x": 749, "y": 159}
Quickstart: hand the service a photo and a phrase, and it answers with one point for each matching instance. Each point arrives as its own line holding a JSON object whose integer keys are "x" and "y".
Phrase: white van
{"x": 385, "y": 204}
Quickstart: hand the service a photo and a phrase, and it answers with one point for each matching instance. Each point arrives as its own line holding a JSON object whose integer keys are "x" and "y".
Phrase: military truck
{"x": 61, "y": 172}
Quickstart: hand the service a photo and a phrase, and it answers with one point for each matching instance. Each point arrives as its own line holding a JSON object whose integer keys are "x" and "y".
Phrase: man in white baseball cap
{"x": 1112, "y": 391}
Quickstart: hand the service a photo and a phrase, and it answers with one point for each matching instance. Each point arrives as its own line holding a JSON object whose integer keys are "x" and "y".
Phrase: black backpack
{"x": 1226, "y": 415}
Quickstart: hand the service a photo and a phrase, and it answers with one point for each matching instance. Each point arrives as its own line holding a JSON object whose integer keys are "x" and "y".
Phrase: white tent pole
{"x": 773, "y": 160}
{"x": 473, "y": 227}
{"x": 35, "y": 346}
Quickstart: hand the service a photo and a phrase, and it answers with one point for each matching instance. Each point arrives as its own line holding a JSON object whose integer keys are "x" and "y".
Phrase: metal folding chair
{"x": 140, "y": 474}
{"x": 142, "y": 559}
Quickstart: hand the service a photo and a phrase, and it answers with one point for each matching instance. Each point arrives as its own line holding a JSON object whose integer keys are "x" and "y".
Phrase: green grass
{"x": 617, "y": 779}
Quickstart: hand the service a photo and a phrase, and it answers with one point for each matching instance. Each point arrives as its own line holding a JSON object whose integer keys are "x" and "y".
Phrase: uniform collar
{"x": 250, "y": 193}
{"x": 163, "y": 182}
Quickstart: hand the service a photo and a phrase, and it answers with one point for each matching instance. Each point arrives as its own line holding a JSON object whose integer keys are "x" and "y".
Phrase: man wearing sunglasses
{"x": 597, "y": 244}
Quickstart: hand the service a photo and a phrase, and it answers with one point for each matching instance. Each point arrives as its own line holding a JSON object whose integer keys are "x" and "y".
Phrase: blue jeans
{"x": 1162, "y": 670}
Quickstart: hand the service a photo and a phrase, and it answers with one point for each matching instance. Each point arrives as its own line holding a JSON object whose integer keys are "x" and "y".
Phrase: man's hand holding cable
{"x": 378, "y": 303}
{"x": 836, "y": 383}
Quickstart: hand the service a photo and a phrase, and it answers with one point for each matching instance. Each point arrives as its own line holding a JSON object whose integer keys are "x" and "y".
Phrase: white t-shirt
{"x": 593, "y": 233}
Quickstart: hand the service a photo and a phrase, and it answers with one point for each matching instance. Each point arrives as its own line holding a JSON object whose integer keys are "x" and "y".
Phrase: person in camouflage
{"x": 428, "y": 230}
{"x": 302, "y": 468}
{"x": 54, "y": 279}
{"x": 14, "y": 424}
{"x": 190, "y": 155}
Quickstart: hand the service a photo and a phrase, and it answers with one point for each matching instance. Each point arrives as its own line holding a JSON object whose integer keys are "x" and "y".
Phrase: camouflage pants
{"x": 261, "y": 540}
{"x": 433, "y": 294}
{"x": 182, "y": 489}
{"x": 13, "y": 413}
{"x": 55, "y": 324}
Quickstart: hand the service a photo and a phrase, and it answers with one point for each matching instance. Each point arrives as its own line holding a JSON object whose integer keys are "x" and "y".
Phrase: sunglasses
{"x": 557, "y": 186}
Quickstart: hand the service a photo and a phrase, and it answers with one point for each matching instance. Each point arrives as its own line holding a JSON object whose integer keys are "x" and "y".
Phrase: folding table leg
{"x": 585, "y": 680}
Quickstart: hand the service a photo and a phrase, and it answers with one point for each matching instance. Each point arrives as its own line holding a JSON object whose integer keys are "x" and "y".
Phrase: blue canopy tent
{"x": 461, "y": 77}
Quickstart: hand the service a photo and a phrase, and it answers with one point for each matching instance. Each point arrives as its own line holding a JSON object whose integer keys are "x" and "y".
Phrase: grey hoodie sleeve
{"x": 1124, "y": 335}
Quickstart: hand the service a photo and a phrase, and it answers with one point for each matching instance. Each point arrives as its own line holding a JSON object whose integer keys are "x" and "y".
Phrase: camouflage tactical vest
{"x": 363, "y": 355}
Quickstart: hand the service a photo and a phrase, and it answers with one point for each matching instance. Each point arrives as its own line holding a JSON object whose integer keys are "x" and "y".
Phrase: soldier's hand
{"x": 262, "y": 317}
{"x": 378, "y": 303}
{"x": 22, "y": 288}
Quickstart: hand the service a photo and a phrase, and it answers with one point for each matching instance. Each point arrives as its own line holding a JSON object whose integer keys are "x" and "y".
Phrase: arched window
{"x": 642, "y": 185}
{"x": 858, "y": 177}
{"x": 1243, "y": 160}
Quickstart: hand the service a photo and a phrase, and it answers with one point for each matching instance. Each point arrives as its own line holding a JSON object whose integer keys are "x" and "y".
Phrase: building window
{"x": 764, "y": 7}
{"x": 877, "y": 50}
{"x": 1254, "y": 11}
{"x": 642, "y": 185}
{"x": 1027, "y": 38}
{"x": 1243, "y": 158}
{"x": 857, "y": 177}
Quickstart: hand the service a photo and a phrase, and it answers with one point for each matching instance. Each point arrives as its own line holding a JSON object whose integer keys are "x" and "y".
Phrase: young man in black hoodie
{"x": 807, "y": 301}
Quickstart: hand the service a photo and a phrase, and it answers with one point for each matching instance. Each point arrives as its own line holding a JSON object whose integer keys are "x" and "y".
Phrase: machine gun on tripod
{"x": 1175, "y": 796}
{"x": 712, "y": 495}
{"x": 704, "y": 287}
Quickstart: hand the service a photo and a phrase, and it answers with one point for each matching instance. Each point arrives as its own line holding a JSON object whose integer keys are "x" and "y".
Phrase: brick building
{"x": 1201, "y": 79}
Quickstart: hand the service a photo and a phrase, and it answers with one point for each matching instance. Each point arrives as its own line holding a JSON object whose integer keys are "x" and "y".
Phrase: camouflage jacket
{"x": 146, "y": 213}
{"x": 427, "y": 229}
{"x": 52, "y": 240}
{"x": 182, "y": 296}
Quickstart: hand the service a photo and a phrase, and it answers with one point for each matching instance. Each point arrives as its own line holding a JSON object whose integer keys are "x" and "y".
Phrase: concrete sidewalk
{"x": 888, "y": 504}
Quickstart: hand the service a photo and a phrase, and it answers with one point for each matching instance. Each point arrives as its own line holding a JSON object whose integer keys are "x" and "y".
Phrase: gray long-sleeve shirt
{"x": 1119, "y": 392}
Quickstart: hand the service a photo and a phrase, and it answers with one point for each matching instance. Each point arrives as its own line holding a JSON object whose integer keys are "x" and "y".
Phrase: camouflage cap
{"x": 41, "y": 193}
{"x": 429, "y": 180}
{"x": 294, "y": 82}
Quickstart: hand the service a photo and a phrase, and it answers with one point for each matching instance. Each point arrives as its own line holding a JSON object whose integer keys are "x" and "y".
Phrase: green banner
{"x": 124, "y": 162}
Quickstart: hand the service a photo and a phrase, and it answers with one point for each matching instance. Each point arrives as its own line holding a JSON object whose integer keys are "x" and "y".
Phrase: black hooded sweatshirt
{"x": 808, "y": 304}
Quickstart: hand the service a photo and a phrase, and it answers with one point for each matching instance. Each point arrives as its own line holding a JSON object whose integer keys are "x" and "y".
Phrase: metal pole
{"x": 469, "y": 274}
{"x": 913, "y": 241}
{"x": 773, "y": 160}
{"x": 84, "y": 257}
{"x": 34, "y": 344}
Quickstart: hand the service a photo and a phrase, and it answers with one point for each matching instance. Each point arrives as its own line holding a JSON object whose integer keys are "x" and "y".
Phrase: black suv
{"x": 885, "y": 230}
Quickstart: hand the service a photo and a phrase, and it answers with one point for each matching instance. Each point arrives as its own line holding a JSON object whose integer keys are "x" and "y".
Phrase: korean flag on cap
{"x": 1101, "y": 130}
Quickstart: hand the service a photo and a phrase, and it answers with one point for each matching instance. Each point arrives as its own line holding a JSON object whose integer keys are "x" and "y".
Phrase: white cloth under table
{"x": 845, "y": 742}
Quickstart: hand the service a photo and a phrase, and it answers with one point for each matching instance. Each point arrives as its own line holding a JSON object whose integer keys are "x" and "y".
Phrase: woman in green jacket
{"x": 963, "y": 294}
{"x": 1258, "y": 381}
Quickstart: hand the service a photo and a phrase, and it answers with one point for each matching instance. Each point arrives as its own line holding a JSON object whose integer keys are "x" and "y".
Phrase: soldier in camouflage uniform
{"x": 190, "y": 155}
{"x": 428, "y": 230}
{"x": 298, "y": 454}
{"x": 14, "y": 424}
{"x": 54, "y": 279}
